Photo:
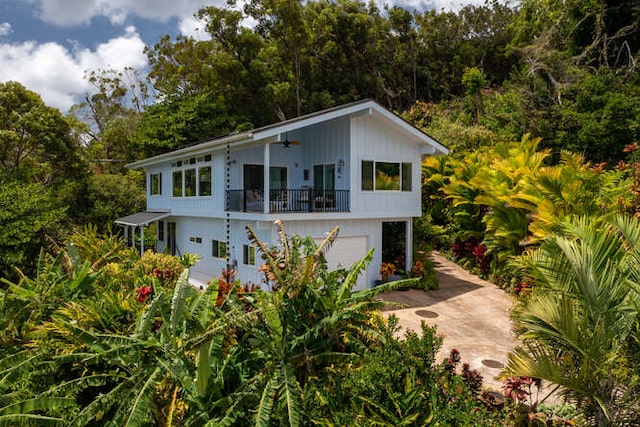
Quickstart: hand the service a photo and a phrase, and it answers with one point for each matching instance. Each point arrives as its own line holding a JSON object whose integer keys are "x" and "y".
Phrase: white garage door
{"x": 345, "y": 252}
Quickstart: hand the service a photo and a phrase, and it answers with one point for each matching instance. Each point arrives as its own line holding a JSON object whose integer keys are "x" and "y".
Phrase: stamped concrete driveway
{"x": 471, "y": 313}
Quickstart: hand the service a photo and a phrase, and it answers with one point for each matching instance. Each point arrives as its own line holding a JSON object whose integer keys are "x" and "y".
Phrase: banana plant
{"x": 310, "y": 320}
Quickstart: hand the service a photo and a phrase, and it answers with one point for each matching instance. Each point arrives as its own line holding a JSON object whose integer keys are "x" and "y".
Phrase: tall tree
{"x": 37, "y": 142}
{"x": 112, "y": 112}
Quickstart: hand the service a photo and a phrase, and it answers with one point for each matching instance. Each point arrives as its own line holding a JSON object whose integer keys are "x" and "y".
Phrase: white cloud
{"x": 80, "y": 12}
{"x": 5, "y": 29}
{"x": 192, "y": 27}
{"x": 56, "y": 73}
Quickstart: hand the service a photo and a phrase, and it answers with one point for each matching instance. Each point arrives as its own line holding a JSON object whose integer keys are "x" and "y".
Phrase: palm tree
{"x": 582, "y": 316}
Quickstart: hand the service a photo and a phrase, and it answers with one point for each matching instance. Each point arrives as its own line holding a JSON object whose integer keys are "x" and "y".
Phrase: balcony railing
{"x": 301, "y": 200}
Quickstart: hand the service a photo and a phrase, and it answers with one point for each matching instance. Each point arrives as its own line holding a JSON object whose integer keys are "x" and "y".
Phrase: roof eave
{"x": 191, "y": 150}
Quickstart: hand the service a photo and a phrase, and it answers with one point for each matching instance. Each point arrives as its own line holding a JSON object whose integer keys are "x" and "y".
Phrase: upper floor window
{"x": 155, "y": 182}
{"x": 204, "y": 181}
{"x": 385, "y": 176}
{"x": 191, "y": 181}
{"x": 177, "y": 183}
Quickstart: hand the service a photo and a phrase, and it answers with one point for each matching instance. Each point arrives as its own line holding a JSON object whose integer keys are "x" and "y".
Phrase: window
{"x": 195, "y": 239}
{"x": 156, "y": 183}
{"x": 189, "y": 182}
{"x": 177, "y": 184}
{"x": 385, "y": 176}
{"x": 367, "y": 175}
{"x": 278, "y": 178}
{"x": 324, "y": 177}
{"x": 406, "y": 177}
{"x": 218, "y": 249}
{"x": 193, "y": 181}
{"x": 160, "y": 231}
{"x": 204, "y": 181}
{"x": 248, "y": 255}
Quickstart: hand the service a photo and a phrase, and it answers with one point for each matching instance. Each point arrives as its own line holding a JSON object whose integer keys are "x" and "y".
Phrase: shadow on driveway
{"x": 472, "y": 315}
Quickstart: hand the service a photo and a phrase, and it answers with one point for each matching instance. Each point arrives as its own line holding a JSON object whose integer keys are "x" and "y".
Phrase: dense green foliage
{"x": 539, "y": 102}
{"x": 101, "y": 336}
{"x": 473, "y": 78}
{"x": 579, "y": 325}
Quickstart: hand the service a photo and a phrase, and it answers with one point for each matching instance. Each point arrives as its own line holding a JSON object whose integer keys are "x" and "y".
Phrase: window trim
{"x": 219, "y": 247}
{"x": 405, "y": 180}
{"x": 153, "y": 177}
{"x": 183, "y": 167}
{"x": 248, "y": 255}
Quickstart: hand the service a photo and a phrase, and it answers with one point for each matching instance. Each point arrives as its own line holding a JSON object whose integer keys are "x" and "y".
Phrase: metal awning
{"x": 141, "y": 218}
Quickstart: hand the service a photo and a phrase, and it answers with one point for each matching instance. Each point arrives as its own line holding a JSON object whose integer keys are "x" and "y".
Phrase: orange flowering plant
{"x": 386, "y": 269}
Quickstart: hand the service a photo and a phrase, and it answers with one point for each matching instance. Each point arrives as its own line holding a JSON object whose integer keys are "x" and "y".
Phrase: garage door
{"x": 347, "y": 250}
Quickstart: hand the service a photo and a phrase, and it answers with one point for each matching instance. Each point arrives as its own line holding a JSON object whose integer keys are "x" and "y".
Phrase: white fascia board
{"x": 206, "y": 146}
{"x": 274, "y": 131}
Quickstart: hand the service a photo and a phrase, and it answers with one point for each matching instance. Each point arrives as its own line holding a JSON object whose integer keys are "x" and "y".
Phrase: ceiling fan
{"x": 287, "y": 143}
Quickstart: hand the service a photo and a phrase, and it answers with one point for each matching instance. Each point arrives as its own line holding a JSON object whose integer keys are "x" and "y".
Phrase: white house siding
{"x": 373, "y": 139}
{"x": 327, "y": 143}
{"x": 360, "y": 234}
{"x": 197, "y": 205}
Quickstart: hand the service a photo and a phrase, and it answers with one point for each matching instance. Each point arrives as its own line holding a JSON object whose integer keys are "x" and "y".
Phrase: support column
{"x": 266, "y": 184}
{"x": 141, "y": 239}
{"x": 409, "y": 245}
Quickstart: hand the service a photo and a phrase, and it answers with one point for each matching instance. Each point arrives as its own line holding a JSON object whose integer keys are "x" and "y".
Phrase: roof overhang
{"x": 272, "y": 133}
{"x": 141, "y": 218}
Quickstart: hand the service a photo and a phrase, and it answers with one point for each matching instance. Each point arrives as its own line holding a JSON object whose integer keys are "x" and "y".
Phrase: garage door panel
{"x": 346, "y": 251}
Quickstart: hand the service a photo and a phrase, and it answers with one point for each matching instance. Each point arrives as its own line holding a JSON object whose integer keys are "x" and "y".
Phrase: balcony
{"x": 289, "y": 201}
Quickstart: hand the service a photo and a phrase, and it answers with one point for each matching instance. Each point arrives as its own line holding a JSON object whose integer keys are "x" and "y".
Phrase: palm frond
{"x": 352, "y": 276}
{"x": 37, "y": 404}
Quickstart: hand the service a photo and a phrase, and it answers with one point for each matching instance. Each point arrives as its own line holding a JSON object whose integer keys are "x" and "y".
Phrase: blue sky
{"x": 49, "y": 45}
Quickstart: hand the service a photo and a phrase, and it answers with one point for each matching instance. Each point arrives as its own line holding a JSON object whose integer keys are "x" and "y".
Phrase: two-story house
{"x": 357, "y": 166}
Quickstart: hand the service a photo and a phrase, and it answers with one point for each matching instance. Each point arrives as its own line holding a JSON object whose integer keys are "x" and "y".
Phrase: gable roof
{"x": 271, "y": 133}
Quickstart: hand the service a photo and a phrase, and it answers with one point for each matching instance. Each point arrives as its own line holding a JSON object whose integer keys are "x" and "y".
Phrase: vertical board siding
{"x": 372, "y": 140}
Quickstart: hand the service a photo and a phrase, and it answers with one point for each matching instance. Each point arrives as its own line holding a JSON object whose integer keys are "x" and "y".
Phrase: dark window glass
{"x": 177, "y": 184}
{"x": 189, "y": 182}
{"x": 387, "y": 176}
{"x": 161, "y": 231}
{"x": 248, "y": 255}
{"x": 204, "y": 178}
{"x": 367, "y": 175}
{"x": 218, "y": 249}
{"x": 406, "y": 177}
{"x": 156, "y": 184}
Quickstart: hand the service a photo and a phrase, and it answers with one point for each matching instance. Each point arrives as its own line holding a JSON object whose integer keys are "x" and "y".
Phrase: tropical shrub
{"x": 579, "y": 323}
{"x": 400, "y": 383}
{"x": 507, "y": 198}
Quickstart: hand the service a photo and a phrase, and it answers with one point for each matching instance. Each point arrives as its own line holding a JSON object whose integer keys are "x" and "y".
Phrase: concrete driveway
{"x": 471, "y": 313}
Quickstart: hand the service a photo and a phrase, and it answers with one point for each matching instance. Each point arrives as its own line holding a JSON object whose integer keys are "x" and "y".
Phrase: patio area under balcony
{"x": 289, "y": 201}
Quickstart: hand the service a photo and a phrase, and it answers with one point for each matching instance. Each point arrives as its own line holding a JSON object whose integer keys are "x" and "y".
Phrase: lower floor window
{"x": 218, "y": 249}
{"x": 248, "y": 255}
